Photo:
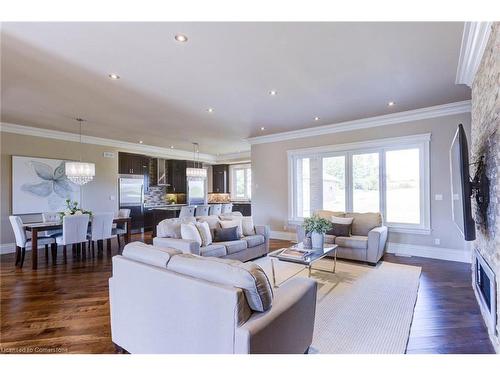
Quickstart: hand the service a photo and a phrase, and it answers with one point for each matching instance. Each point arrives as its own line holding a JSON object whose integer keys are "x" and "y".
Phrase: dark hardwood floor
{"x": 65, "y": 309}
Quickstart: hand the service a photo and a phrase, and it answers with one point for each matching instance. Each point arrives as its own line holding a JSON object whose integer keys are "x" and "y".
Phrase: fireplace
{"x": 484, "y": 283}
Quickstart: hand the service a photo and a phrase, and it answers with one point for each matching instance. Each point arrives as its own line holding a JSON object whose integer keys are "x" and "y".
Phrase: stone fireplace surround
{"x": 485, "y": 141}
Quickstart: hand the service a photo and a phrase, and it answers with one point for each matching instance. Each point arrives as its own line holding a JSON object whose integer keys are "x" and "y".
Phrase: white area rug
{"x": 360, "y": 309}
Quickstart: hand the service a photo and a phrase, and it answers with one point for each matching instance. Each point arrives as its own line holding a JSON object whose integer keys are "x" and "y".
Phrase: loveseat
{"x": 254, "y": 244}
{"x": 367, "y": 240}
{"x": 164, "y": 301}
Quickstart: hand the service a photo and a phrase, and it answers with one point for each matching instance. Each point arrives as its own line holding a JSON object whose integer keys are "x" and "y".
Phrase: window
{"x": 241, "y": 181}
{"x": 390, "y": 176}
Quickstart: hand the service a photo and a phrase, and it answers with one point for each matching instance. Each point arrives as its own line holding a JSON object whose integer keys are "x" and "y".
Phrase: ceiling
{"x": 54, "y": 72}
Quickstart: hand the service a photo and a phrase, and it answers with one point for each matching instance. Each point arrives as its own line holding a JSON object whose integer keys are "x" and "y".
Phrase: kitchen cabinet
{"x": 133, "y": 164}
{"x": 220, "y": 178}
{"x": 244, "y": 208}
{"x": 153, "y": 172}
{"x": 176, "y": 176}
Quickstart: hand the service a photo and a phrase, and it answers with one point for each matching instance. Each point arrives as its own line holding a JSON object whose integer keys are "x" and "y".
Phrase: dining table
{"x": 34, "y": 228}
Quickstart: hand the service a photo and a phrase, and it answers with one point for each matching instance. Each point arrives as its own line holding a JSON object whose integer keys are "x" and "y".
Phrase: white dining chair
{"x": 215, "y": 209}
{"x": 187, "y": 211}
{"x": 22, "y": 240}
{"x": 202, "y": 210}
{"x": 121, "y": 229}
{"x": 74, "y": 232}
{"x": 101, "y": 229}
{"x": 226, "y": 208}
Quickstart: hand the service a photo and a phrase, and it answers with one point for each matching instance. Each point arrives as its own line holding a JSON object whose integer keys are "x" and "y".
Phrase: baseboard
{"x": 287, "y": 236}
{"x": 9, "y": 248}
{"x": 434, "y": 252}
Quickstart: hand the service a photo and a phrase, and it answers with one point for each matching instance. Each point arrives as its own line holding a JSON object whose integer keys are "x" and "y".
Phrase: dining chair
{"x": 187, "y": 211}
{"x": 74, "y": 233}
{"x": 202, "y": 210}
{"x": 101, "y": 229}
{"x": 22, "y": 240}
{"x": 215, "y": 209}
{"x": 121, "y": 229}
{"x": 226, "y": 208}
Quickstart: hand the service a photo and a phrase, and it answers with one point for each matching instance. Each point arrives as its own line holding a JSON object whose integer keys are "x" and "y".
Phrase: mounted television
{"x": 461, "y": 185}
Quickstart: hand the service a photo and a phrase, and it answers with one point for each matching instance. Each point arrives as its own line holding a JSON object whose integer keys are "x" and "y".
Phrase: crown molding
{"x": 474, "y": 41}
{"x": 128, "y": 146}
{"x": 370, "y": 122}
{"x": 234, "y": 158}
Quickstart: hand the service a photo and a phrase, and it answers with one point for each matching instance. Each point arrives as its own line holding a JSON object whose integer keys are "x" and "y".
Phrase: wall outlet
{"x": 437, "y": 241}
{"x": 285, "y": 227}
{"x": 438, "y": 197}
{"x": 111, "y": 197}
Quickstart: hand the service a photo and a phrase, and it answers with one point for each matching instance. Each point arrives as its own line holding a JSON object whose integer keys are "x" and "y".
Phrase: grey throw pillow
{"x": 226, "y": 234}
{"x": 340, "y": 230}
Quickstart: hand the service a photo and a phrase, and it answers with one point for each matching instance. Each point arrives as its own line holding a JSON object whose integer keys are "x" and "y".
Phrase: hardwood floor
{"x": 65, "y": 309}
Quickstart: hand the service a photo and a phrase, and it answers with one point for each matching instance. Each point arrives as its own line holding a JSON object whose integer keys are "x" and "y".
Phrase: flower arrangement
{"x": 316, "y": 224}
{"x": 73, "y": 209}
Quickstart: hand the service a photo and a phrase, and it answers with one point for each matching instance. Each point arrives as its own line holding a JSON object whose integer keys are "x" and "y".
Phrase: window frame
{"x": 380, "y": 146}
{"x": 232, "y": 181}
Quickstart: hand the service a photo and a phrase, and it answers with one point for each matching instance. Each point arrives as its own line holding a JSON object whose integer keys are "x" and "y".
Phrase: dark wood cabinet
{"x": 176, "y": 176}
{"x": 244, "y": 208}
{"x": 133, "y": 164}
{"x": 220, "y": 178}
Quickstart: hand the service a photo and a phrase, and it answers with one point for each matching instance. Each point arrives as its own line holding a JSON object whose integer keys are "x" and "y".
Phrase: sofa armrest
{"x": 186, "y": 246}
{"x": 377, "y": 238}
{"x": 264, "y": 230}
{"x": 287, "y": 327}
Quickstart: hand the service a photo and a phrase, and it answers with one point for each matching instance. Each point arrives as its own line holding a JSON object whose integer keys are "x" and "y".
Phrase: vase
{"x": 317, "y": 239}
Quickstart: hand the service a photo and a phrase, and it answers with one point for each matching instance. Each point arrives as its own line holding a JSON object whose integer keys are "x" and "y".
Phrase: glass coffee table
{"x": 307, "y": 262}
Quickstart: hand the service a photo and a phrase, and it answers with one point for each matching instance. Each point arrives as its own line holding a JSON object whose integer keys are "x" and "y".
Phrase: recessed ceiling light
{"x": 210, "y": 110}
{"x": 171, "y": 147}
{"x": 262, "y": 128}
{"x": 113, "y": 76}
{"x": 316, "y": 118}
{"x": 273, "y": 92}
{"x": 141, "y": 142}
{"x": 391, "y": 104}
{"x": 181, "y": 38}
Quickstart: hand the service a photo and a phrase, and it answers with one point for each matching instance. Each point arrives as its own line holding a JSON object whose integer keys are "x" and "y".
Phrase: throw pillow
{"x": 247, "y": 225}
{"x": 341, "y": 226}
{"x": 226, "y": 234}
{"x": 232, "y": 223}
{"x": 190, "y": 232}
{"x": 205, "y": 234}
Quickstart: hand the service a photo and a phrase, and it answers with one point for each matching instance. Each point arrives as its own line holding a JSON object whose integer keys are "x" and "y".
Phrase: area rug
{"x": 360, "y": 308}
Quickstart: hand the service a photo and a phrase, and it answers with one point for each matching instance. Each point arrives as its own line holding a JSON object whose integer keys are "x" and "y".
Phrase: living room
{"x": 309, "y": 187}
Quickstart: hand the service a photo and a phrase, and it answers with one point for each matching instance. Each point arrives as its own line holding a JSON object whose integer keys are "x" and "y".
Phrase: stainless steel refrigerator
{"x": 131, "y": 196}
{"x": 196, "y": 191}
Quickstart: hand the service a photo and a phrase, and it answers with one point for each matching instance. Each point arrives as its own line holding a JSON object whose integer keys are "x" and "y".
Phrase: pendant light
{"x": 197, "y": 171}
{"x": 79, "y": 172}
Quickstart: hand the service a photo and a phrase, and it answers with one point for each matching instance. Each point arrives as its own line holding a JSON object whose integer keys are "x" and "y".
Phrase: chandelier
{"x": 197, "y": 171}
{"x": 79, "y": 172}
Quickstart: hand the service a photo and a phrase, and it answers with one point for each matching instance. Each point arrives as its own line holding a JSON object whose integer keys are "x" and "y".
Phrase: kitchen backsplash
{"x": 155, "y": 195}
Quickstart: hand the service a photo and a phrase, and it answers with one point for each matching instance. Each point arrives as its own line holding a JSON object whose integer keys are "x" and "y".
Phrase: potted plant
{"x": 73, "y": 209}
{"x": 316, "y": 227}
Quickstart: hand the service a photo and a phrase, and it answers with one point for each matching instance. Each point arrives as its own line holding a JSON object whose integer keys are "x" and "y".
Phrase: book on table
{"x": 294, "y": 253}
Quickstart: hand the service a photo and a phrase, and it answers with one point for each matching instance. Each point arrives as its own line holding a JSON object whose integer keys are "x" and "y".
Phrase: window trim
{"x": 421, "y": 141}
{"x": 232, "y": 181}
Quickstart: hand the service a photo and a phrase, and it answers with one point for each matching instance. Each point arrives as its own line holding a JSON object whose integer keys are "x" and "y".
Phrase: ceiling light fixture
{"x": 391, "y": 104}
{"x": 316, "y": 118}
{"x": 141, "y": 142}
{"x": 198, "y": 171}
{"x": 181, "y": 38}
{"x": 79, "y": 172}
{"x": 210, "y": 110}
{"x": 273, "y": 92}
{"x": 113, "y": 76}
{"x": 171, "y": 147}
{"x": 262, "y": 128}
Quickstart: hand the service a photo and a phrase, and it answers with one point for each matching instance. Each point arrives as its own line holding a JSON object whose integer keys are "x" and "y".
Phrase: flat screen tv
{"x": 461, "y": 185}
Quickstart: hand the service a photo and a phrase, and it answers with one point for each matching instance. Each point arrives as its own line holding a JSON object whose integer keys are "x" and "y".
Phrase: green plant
{"x": 72, "y": 209}
{"x": 317, "y": 224}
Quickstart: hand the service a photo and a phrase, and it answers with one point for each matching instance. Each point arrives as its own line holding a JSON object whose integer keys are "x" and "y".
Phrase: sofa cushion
{"x": 247, "y": 226}
{"x": 213, "y": 250}
{"x": 226, "y": 234}
{"x": 148, "y": 254}
{"x": 233, "y": 246}
{"x": 326, "y": 214}
{"x": 364, "y": 222}
{"x": 190, "y": 232}
{"x": 205, "y": 233}
{"x": 329, "y": 238}
{"x": 235, "y": 222}
{"x": 247, "y": 276}
{"x": 341, "y": 226}
{"x": 255, "y": 240}
{"x": 354, "y": 242}
{"x": 172, "y": 227}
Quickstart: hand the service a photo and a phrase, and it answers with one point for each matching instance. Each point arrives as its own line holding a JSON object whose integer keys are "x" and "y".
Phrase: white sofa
{"x": 367, "y": 240}
{"x": 163, "y": 301}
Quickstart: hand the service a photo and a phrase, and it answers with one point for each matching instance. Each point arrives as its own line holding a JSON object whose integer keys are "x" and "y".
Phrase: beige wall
{"x": 270, "y": 175}
{"x": 95, "y": 195}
